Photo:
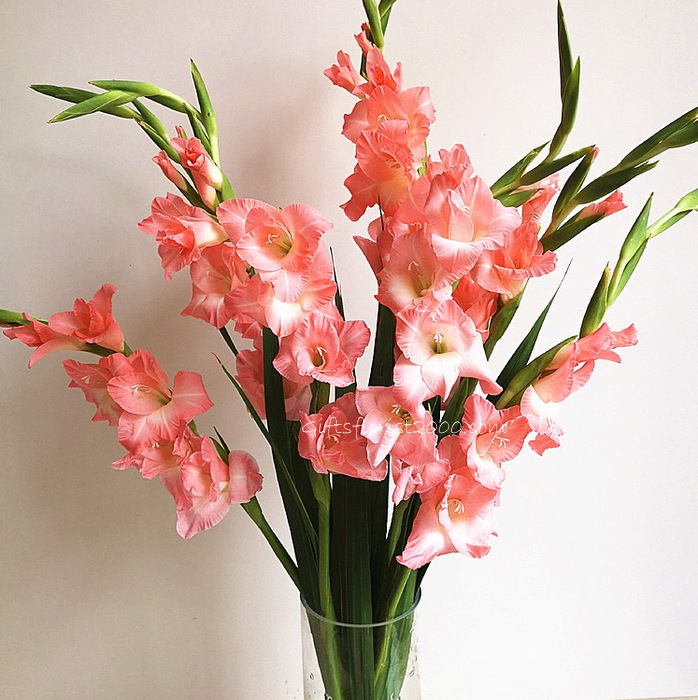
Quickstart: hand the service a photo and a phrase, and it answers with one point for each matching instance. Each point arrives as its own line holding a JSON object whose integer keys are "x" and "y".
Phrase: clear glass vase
{"x": 343, "y": 661}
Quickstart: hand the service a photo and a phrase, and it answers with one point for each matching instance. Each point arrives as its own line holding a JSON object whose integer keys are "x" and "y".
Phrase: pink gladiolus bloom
{"x": 205, "y": 173}
{"x": 532, "y": 211}
{"x": 324, "y": 348}
{"x": 443, "y": 341}
{"x": 181, "y": 230}
{"x": 453, "y": 165}
{"x": 89, "y": 322}
{"x": 213, "y": 486}
{"x": 214, "y": 275}
{"x": 250, "y": 374}
{"x": 384, "y": 172}
{"x": 281, "y": 246}
{"x": 332, "y": 441}
{"x": 506, "y": 269}
{"x": 477, "y": 303}
{"x": 377, "y": 70}
{"x": 610, "y": 205}
{"x": 92, "y": 379}
{"x": 412, "y": 107}
{"x": 571, "y": 369}
{"x": 417, "y": 478}
{"x": 466, "y": 221}
{"x": 490, "y": 437}
{"x": 457, "y": 516}
{"x": 343, "y": 74}
{"x": 150, "y": 410}
{"x": 42, "y": 337}
{"x": 391, "y": 427}
{"x": 412, "y": 275}
{"x": 257, "y": 301}
{"x": 163, "y": 161}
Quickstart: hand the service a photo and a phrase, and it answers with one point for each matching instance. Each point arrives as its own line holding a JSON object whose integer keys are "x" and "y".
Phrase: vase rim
{"x": 363, "y": 625}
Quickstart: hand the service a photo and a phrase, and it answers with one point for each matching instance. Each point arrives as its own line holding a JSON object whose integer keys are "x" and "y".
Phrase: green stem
{"x": 254, "y": 510}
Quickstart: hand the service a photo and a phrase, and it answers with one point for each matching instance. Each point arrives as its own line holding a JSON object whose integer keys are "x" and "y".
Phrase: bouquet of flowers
{"x": 379, "y": 475}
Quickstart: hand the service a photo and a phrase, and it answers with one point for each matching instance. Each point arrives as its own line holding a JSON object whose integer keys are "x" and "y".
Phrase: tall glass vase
{"x": 343, "y": 661}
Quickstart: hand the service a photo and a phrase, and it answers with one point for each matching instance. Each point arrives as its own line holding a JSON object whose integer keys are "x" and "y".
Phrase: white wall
{"x": 590, "y": 590}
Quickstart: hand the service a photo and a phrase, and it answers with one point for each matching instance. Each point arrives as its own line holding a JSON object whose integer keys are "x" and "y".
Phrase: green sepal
{"x": 147, "y": 90}
{"x": 657, "y": 143}
{"x": 501, "y": 186}
{"x": 528, "y": 374}
{"x": 151, "y": 120}
{"x": 159, "y": 141}
{"x": 566, "y": 232}
{"x": 77, "y": 95}
{"x": 501, "y": 320}
{"x": 570, "y": 102}
{"x": 564, "y": 49}
{"x": 374, "y": 23}
{"x": 611, "y": 181}
{"x": 12, "y": 318}
{"x": 517, "y": 198}
{"x": 208, "y": 116}
{"x": 598, "y": 305}
{"x": 552, "y": 166}
{"x": 98, "y": 103}
{"x": 574, "y": 183}
{"x": 684, "y": 206}
{"x": 522, "y": 354}
{"x": 636, "y": 238}
{"x": 628, "y": 270}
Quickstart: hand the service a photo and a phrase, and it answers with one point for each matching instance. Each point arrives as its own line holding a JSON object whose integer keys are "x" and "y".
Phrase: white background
{"x": 591, "y": 588}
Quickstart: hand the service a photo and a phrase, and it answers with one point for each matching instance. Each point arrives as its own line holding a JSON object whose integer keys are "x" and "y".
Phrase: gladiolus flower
{"x": 162, "y": 160}
{"x": 181, "y": 230}
{"x": 391, "y": 427}
{"x": 506, "y": 269}
{"x": 205, "y": 173}
{"x": 93, "y": 379}
{"x": 465, "y": 221}
{"x": 150, "y": 410}
{"x": 250, "y": 374}
{"x": 606, "y": 207}
{"x": 443, "y": 341}
{"x": 569, "y": 371}
{"x": 213, "y": 486}
{"x": 89, "y": 322}
{"x": 324, "y": 348}
{"x": 332, "y": 441}
{"x": 490, "y": 437}
{"x": 214, "y": 275}
{"x": 457, "y": 516}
